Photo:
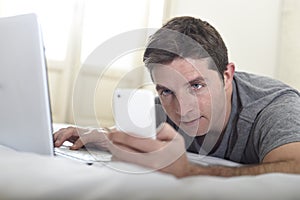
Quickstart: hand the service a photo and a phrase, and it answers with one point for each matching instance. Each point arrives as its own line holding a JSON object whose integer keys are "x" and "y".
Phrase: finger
{"x": 77, "y": 145}
{"x": 166, "y": 132}
{"x": 124, "y": 148}
{"x": 64, "y": 134}
{"x": 84, "y": 139}
{"x": 55, "y": 135}
{"x": 155, "y": 154}
{"x": 154, "y": 160}
{"x": 136, "y": 143}
{"x": 93, "y": 138}
{"x": 124, "y": 153}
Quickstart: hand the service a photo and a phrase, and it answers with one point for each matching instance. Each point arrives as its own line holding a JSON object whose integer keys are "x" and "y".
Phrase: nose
{"x": 186, "y": 104}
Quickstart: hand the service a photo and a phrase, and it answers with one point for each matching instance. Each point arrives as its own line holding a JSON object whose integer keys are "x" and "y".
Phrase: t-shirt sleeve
{"x": 278, "y": 124}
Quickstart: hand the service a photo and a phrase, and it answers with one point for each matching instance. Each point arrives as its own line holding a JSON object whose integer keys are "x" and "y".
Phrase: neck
{"x": 228, "y": 106}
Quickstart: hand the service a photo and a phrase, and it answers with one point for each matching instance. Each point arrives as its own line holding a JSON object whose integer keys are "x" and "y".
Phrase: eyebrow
{"x": 160, "y": 87}
{"x": 196, "y": 80}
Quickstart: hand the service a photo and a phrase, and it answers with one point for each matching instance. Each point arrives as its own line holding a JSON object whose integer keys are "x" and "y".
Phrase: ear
{"x": 228, "y": 75}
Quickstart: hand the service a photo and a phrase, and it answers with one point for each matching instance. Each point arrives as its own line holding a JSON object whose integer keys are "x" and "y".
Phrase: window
{"x": 56, "y": 29}
{"x": 72, "y": 29}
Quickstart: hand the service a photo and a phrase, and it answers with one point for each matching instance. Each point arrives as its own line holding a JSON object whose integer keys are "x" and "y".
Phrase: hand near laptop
{"x": 81, "y": 137}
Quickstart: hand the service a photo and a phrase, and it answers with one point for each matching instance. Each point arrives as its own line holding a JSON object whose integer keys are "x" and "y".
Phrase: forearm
{"x": 281, "y": 167}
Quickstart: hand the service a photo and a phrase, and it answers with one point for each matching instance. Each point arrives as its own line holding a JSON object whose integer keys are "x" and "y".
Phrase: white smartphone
{"x": 134, "y": 112}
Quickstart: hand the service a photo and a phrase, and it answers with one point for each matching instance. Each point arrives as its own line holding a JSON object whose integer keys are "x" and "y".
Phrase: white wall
{"x": 289, "y": 65}
{"x": 250, "y": 29}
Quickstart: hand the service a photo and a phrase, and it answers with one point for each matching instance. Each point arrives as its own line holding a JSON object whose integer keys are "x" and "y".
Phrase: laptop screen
{"x": 25, "y": 114}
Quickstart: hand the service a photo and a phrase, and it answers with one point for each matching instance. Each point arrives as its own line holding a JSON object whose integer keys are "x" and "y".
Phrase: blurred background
{"x": 262, "y": 37}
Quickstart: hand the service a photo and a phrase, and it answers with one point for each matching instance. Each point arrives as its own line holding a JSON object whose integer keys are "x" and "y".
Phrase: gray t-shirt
{"x": 265, "y": 115}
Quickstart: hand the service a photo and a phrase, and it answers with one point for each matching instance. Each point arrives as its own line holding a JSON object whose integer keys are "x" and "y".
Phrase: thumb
{"x": 166, "y": 132}
{"x": 77, "y": 144}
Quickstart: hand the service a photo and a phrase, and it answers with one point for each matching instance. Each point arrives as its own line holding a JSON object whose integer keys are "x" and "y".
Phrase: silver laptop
{"x": 25, "y": 114}
{"x": 25, "y": 118}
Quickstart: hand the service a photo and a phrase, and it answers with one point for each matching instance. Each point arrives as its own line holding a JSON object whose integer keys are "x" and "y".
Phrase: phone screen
{"x": 134, "y": 112}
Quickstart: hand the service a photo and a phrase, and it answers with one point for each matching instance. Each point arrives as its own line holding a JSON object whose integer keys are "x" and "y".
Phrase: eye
{"x": 166, "y": 92}
{"x": 196, "y": 86}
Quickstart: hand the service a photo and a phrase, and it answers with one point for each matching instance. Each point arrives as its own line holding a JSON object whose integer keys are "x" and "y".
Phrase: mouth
{"x": 192, "y": 122}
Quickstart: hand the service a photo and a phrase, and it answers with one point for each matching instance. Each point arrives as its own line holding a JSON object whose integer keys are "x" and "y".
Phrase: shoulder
{"x": 278, "y": 123}
{"x": 283, "y": 107}
{"x": 256, "y": 93}
{"x": 258, "y": 84}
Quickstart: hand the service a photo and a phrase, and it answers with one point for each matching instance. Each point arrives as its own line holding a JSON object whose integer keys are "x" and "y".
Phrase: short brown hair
{"x": 186, "y": 37}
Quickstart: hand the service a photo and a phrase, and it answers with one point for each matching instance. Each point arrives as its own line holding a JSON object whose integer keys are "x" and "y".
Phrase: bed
{"x": 32, "y": 176}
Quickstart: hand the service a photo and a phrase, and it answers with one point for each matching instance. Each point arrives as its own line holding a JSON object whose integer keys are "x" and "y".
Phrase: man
{"x": 218, "y": 112}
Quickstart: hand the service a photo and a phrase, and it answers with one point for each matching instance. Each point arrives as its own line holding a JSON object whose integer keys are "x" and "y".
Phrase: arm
{"x": 167, "y": 154}
{"x": 284, "y": 159}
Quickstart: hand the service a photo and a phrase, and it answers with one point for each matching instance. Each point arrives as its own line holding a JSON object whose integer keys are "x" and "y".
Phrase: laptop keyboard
{"x": 86, "y": 155}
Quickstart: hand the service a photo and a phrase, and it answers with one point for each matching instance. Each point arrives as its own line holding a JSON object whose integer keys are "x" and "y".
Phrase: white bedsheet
{"x": 31, "y": 176}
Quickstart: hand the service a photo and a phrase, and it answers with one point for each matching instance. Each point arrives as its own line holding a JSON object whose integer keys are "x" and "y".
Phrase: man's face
{"x": 192, "y": 95}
